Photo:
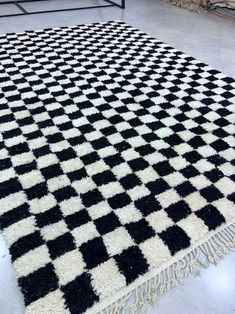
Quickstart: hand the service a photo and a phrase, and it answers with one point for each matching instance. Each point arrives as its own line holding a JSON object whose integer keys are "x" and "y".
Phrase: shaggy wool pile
{"x": 116, "y": 165}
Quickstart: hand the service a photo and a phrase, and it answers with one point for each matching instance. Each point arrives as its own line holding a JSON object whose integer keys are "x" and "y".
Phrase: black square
{"x": 55, "y": 138}
{"x": 49, "y": 217}
{"x": 114, "y": 160}
{"x": 107, "y": 223}
{"x": 66, "y": 154}
{"x": 173, "y": 140}
{"x": 196, "y": 142}
{"x": 231, "y": 197}
{"x": 138, "y": 164}
{"x": 77, "y": 175}
{"x": 150, "y": 137}
{"x": 216, "y": 160}
{"x": 104, "y": 177}
{"x": 94, "y": 252}
{"x": 91, "y": 198}
{"x": 61, "y": 245}
{"x": 130, "y": 181}
{"x": 77, "y": 219}
{"x": 168, "y": 152}
{"x": 51, "y": 171}
{"x": 119, "y": 200}
{"x": 131, "y": 263}
{"x": 109, "y": 130}
{"x": 37, "y": 191}
{"x": 64, "y": 193}
{"x": 121, "y": 146}
{"x": 90, "y": 158}
{"x": 129, "y": 133}
{"x": 158, "y": 186}
{"x": 211, "y": 193}
{"x": 211, "y": 216}
{"x": 214, "y": 175}
{"x": 9, "y": 187}
{"x": 178, "y": 211}
{"x": 219, "y": 145}
{"x": 145, "y": 150}
{"x": 140, "y": 231}
{"x": 26, "y": 244}
{"x": 18, "y": 149}
{"x": 100, "y": 143}
{"x": 163, "y": 168}
{"x": 14, "y": 215}
{"x": 190, "y": 172}
{"x": 38, "y": 284}
{"x": 175, "y": 238}
{"x": 79, "y": 294}
{"x": 147, "y": 205}
{"x": 192, "y": 157}
{"x": 185, "y": 189}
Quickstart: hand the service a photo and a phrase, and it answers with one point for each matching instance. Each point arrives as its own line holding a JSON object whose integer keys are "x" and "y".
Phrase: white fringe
{"x": 209, "y": 252}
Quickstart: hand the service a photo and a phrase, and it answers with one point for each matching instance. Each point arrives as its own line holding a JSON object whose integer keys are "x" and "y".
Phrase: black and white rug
{"x": 116, "y": 166}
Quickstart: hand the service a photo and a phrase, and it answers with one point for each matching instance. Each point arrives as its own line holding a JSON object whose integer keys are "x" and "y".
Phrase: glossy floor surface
{"x": 204, "y": 36}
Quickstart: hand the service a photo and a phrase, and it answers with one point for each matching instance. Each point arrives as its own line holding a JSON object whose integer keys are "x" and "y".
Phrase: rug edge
{"x": 147, "y": 289}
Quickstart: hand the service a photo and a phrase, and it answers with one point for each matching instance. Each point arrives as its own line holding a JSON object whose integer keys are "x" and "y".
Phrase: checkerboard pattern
{"x": 116, "y": 154}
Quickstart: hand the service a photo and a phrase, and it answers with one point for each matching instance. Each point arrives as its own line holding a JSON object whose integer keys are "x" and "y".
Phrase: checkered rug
{"x": 116, "y": 159}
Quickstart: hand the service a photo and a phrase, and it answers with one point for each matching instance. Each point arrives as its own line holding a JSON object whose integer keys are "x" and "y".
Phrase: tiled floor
{"x": 204, "y": 36}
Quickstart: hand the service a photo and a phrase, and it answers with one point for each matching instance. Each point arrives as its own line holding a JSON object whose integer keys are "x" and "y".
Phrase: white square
{"x": 72, "y": 205}
{"x": 179, "y": 162}
{"x": 167, "y": 198}
{"x": 155, "y": 252}
{"x": 58, "y": 147}
{"x": 226, "y": 208}
{"x": 40, "y": 205}
{"x": 107, "y": 151}
{"x": 117, "y": 241}
{"x": 85, "y": 233}
{"x": 195, "y": 201}
{"x": 129, "y": 154}
{"x": 164, "y": 132}
{"x": 69, "y": 266}
{"x": 57, "y": 183}
{"x": 107, "y": 279}
{"x": 121, "y": 170}
{"x": 47, "y": 160}
{"x": 203, "y": 165}
{"x": 31, "y": 178}
{"x": 53, "y": 231}
{"x": 96, "y": 167}
{"x": 174, "y": 179}
{"x": 159, "y": 221}
{"x": 225, "y": 185}
{"x": 136, "y": 141}
{"x": 147, "y": 175}
{"x": 99, "y": 210}
{"x": 111, "y": 189}
{"x": 194, "y": 227}
{"x": 19, "y": 230}
{"x": 137, "y": 192}
{"x": 71, "y": 165}
{"x": 48, "y": 304}
{"x": 34, "y": 259}
{"x": 22, "y": 159}
{"x": 155, "y": 157}
{"x": 84, "y": 185}
{"x": 128, "y": 214}
{"x": 200, "y": 182}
